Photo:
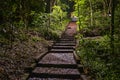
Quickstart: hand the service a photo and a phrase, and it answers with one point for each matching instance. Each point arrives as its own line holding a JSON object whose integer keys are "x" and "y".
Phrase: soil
{"x": 22, "y": 54}
{"x": 71, "y": 29}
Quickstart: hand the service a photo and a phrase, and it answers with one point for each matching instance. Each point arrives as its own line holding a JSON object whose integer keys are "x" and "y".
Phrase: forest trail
{"x": 71, "y": 29}
{"x": 60, "y": 63}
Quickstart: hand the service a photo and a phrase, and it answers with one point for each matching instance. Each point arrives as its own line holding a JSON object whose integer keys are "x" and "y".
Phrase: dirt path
{"x": 70, "y": 29}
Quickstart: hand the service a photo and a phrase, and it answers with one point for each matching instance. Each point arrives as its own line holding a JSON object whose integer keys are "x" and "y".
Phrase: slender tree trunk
{"x": 91, "y": 13}
{"x": 105, "y": 8}
{"x": 112, "y": 24}
{"x": 79, "y": 15}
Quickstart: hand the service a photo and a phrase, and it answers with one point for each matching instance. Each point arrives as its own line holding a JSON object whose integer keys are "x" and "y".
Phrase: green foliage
{"x": 36, "y": 38}
{"x": 96, "y": 54}
{"x": 19, "y": 16}
{"x": 57, "y": 19}
{"x": 91, "y": 14}
{"x": 49, "y": 24}
{"x": 40, "y": 20}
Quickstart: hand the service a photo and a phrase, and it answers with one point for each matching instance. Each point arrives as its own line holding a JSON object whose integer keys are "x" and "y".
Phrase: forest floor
{"x": 22, "y": 54}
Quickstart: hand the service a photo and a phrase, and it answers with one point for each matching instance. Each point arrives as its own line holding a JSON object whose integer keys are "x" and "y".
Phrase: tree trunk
{"x": 79, "y": 15}
{"x": 112, "y": 24}
{"x": 91, "y": 13}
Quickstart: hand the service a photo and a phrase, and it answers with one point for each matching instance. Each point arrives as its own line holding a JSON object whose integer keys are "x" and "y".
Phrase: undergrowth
{"x": 96, "y": 56}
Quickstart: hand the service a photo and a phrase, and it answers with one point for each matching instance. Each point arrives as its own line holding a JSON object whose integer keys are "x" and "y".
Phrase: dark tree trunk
{"x": 112, "y": 25}
{"x": 47, "y": 6}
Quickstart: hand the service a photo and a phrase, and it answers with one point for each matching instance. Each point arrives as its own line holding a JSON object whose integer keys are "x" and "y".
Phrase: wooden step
{"x": 72, "y": 66}
{"x": 63, "y": 39}
{"x": 58, "y": 58}
{"x": 61, "y": 50}
{"x": 63, "y": 47}
{"x": 48, "y": 72}
{"x": 65, "y": 44}
{"x": 67, "y": 37}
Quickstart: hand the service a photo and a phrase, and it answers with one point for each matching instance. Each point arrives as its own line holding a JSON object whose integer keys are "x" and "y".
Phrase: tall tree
{"x": 91, "y": 13}
{"x": 112, "y": 24}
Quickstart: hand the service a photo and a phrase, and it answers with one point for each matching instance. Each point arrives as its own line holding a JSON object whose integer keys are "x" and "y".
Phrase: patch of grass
{"x": 36, "y": 38}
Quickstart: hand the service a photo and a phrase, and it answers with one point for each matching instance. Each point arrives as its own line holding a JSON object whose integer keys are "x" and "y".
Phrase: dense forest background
{"x": 28, "y": 27}
{"x": 99, "y": 37}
